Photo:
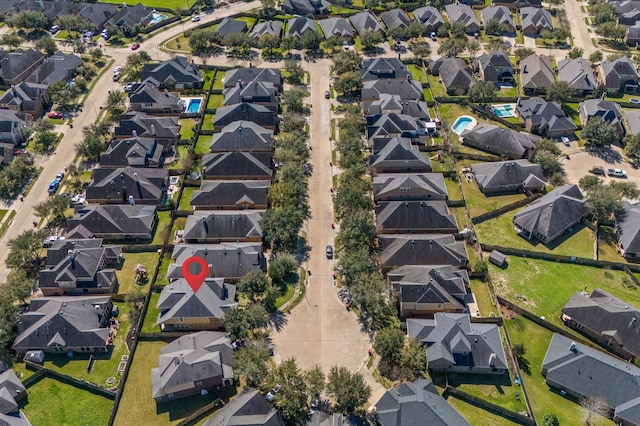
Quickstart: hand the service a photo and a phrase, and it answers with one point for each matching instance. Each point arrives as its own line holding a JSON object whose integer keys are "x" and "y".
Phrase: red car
{"x": 54, "y": 115}
{"x": 135, "y": 46}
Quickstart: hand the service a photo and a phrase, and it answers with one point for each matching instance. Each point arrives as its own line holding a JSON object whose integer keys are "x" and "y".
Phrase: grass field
{"x": 207, "y": 122}
{"x": 453, "y": 189}
{"x": 186, "y": 197}
{"x": 480, "y": 291}
{"x": 436, "y": 87}
{"x": 218, "y": 83}
{"x": 202, "y": 144}
{"x": 500, "y": 231}
{"x": 164, "y": 267}
{"x": 536, "y": 340}
{"x": 182, "y": 151}
{"x": 215, "y": 101}
{"x": 127, "y": 274}
{"x": 607, "y": 240}
{"x": 479, "y": 203}
{"x": 171, "y": 4}
{"x": 187, "y": 127}
{"x": 45, "y": 405}
{"x": 476, "y": 416}
{"x": 544, "y": 287}
{"x": 164, "y": 218}
{"x": 417, "y": 73}
{"x": 149, "y": 323}
{"x": 137, "y": 406}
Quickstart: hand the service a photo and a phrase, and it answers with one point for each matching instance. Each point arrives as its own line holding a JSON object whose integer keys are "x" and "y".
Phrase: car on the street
{"x": 54, "y": 114}
{"x": 53, "y": 187}
{"x": 327, "y": 94}
{"x": 195, "y": 18}
{"x": 116, "y": 76}
{"x": 135, "y": 46}
{"x": 617, "y": 173}
{"x": 59, "y": 177}
{"x": 597, "y": 171}
{"x": 117, "y": 69}
{"x": 329, "y": 251}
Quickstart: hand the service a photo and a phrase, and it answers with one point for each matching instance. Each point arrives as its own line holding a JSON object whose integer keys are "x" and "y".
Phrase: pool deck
{"x": 471, "y": 125}
{"x": 511, "y": 110}
{"x": 187, "y": 102}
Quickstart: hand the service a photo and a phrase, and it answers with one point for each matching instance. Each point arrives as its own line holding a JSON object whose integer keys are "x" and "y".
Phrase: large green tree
{"x": 25, "y": 251}
{"x": 483, "y": 92}
{"x": 349, "y": 390}
{"x": 253, "y": 284}
{"x": 598, "y": 133}
{"x": 291, "y": 399}
{"x": 560, "y": 92}
{"x": 388, "y": 344}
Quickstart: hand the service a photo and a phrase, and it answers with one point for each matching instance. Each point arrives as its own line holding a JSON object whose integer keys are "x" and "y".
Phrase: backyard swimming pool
{"x": 463, "y": 123}
{"x": 504, "y": 111}
{"x": 193, "y": 105}
{"x": 157, "y": 17}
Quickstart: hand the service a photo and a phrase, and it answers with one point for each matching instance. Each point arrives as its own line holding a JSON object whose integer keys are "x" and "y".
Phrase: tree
{"x": 47, "y": 45}
{"x": 13, "y": 41}
{"x": 482, "y": 92}
{"x": 25, "y": 251}
{"x": 598, "y": 133}
{"x": 523, "y": 52}
{"x": 283, "y": 265}
{"x": 291, "y": 399}
{"x": 55, "y": 207}
{"x": 550, "y": 419}
{"x": 576, "y": 53}
{"x": 135, "y": 301}
{"x": 495, "y": 27}
{"x": 349, "y": 390}
{"x": 594, "y": 407}
{"x": 497, "y": 45}
{"x": 451, "y": 48}
{"x": 30, "y": 20}
{"x": 612, "y": 31}
{"x": 256, "y": 315}
{"x": 519, "y": 350}
{"x": 90, "y": 147}
{"x": 253, "y": 284}
{"x": 595, "y": 57}
{"x": 315, "y": 380}
{"x": 561, "y": 34}
{"x": 345, "y": 62}
{"x": 19, "y": 285}
{"x": 236, "y": 323}
{"x": 8, "y": 322}
{"x": 64, "y": 96}
{"x": 281, "y": 226}
{"x": 420, "y": 49}
{"x": 389, "y": 343}
{"x": 348, "y": 83}
{"x": 458, "y": 30}
{"x": 549, "y": 162}
{"x": 560, "y": 92}
{"x": 589, "y": 182}
{"x": 268, "y": 43}
{"x": 473, "y": 47}
{"x": 287, "y": 43}
{"x": 311, "y": 40}
{"x": 250, "y": 362}
{"x": 632, "y": 146}
{"x": 414, "y": 361}
{"x": 115, "y": 103}
{"x": 602, "y": 12}
{"x": 292, "y": 99}
{"x": 294, "y": 74}
{"x": 370, "y": 40}
{"x": 14, "y": 176}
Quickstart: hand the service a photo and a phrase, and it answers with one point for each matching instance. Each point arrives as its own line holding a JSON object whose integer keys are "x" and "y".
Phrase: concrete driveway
{"x": 581, "y": 161}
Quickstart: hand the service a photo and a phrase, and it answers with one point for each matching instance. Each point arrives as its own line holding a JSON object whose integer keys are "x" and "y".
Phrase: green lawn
{"x": 479, "y": 203}
{"x": 545, "y": 287}
{"x": 187, "y": 127}
{"x": 500, "y": 231}
{"x": 571, "y": 109}
{"x": 202, "y": 144}
{"x": 164, "y": 218}
{"x": 207, "y": 76}
{"x": 453, "y": 189}
{"x": 137, "y": 407}
{"x": 480, "y": 290}
{"x": 126, "y": 274}
{"x": 460, "y": 213}
{"x": 218, "y": 83}
{"x": 215, "y": 101}
{"x": 207, "y": 123}
{"x": 149, "y": 323}
{"x": 428, "y": 97}
{"x": 476, "y": 416}
{"x": 106, "y": 365}
{"x": 171, "y": 4}
{"x": 508, "y": 92}
{"x": 179, "y": 43}
{"x": 544, "y": 400}
{"x": 3, "y": 214}
{"x": 45, "y": 405}
{"x": 607, "y": 240}
{"x": 186, "y": 197}
{"x": 417, "y": 73}
{"x": 248, "y": 19}
{"x": 182, "y": 153}
{"x": 436, "y": 87}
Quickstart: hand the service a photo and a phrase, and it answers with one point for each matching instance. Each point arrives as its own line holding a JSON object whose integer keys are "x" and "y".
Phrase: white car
{"x": 117, "y": 69}
{"x": 195, "y": 18}
{"x": 617, "y": 173}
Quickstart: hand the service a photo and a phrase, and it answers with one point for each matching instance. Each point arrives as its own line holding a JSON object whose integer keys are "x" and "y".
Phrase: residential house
{"x": 129, "y": 17}
{"x": 228, "y": 260}
{"x": 307, "y": 7}
{"x": 605, "y": 319}
{"x": 178, "y": 73}
{"x": 500, "y": 14}
{"x": 409, "y": 187}
{"x": 618, "y": 76}
{"x": 365, "y": 21}
{"x": 405, "y": 89}
{"x": 231, "y": 195}
{"x": 399, "y": 156}
{"x": 270, "y": 75}
{"x": 299, "y": 25}
{"x": 128, "y": 185}
{"x": 181, "y": 308}
{"x": 421, "y": 249}
{"x": 235, "y": 165}
{"x": 536, "y": 74}
{"x": 500, "y": 141}
{"x": 544, "y": 118}
{"x": 16, "y": 66}
{"x": 26, "y": 98}
{"x": 215, "y": 227}
{"x": 632, "y": 122}
{"x": 192, "y": 364}
{"x": 13, "y": 126}
{"x": 628, "y": 230}
{"x": 259, "y": 114}
{"x": 548, "y": 217}
{"x": 414, "y": 217}
{"x": 338, "y": 27}
{"x": 581, "y": 372}
{"x": 165, "y": 130}
{"x": 423, "y": 290}
{"x": 80, "y": 267}
{"x": 255, "y": 92}
{"x": 462, "y": 13}
{"x": 7, "y": 151}
{"x": 508, "y": 176}
{"x": 12, "y": 391}
{"x": 609, "y": 111}
{"x": 134, "y": 152}
{"x": 98, "y": 13}
{"x": 65, "y": 324}
{"x": 534, "y": 20}
{"x": 229, "y": 26}
{"x": 56, "y": 68}
{"x": 249, "y": 407}
{"x": 392, "y": 125}
{"x": 454, "y": 73}
{"x": 384, "y": 68}
{"x": 517, "y": 4}
{"x": 273, "y": 28}
{"x": 495, "y": 67}
{"x": 242, "y": 136}
{"x": 112, "y": 222}
{"x": 429, "y": 17}
{"x": 577, "y": 72}
{"x": 388, "y": 104}
{"x": 416, "y": 403}
{"x": 149, "y": 99}
{"x": 454, "y": 345}
{"x": 633, "y": 35}
{"x": 627, "y": 11}
{"x": 395, "y": 18}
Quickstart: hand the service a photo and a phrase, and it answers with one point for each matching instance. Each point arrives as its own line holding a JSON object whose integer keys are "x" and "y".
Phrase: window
{"x": 181, "y": 319}
{"x": 170, "y": 396}
{"x": 198, "y": 384}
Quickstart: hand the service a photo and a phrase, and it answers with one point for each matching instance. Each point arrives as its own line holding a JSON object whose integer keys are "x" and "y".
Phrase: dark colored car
{"x": 53, "y": 187}
{"x": 329, "y": 252}
{"x": 54, "y": 115}
{"x": 597, "y": 171}
{"x": 327, "y": 95}
{"x": 135, "y": 46}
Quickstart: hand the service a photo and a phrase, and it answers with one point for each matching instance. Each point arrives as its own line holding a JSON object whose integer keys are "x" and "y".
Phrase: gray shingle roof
{"x": 395, "y": 18}
{"x": 228, "y": 260}
{"x": 191, "y": 358}
{"x": 234, "y": 194}
{"x": 619, "y": 73}
{"x": 15, "y": 63}
{"x": 223, "y": 224}
{"x": 55, "y": 68}
{"x": 577, "y": 72}
{"x": 502, "y": 14}
{"x": 551, "y": 215}
{"x": 298, "y": 25}
{"x": 178, "y": 70}
{"x": 537, "y": 18}
{"x": 393, "y": 124}
{"x": 499, "y": 141}
{"x": 248, "y": 408}
{"x": 11, "y": 389}
{"x": 271, "y": 75}
{"x": 608, "y": 110}
{"x": 453, "y": 72}
{"x": 430, "y": 284}
{"x": 242, "y": 136}
{"x": 628, "y": 228}
{"x": 429, "y": 16}
{"x": 255, "y": 91}
{"x": 230, "y": 26}
{"x": 421, "y": 249}
{"x": 536, "y": 72}
{"x": 365, "y": 21}
{"x": 212, "y": 300}
{"x": 393, "y": 104}
{"x": 415, "y": 403}
{"x": 132, "y": 152}
{"x": 494, "y": 65}
{"x": 383, "y": 68}
{"x": 106, "y": 221}
{"x": 336, "y": 27}
{"x": 493, "y": 176}
{"x": 399, "y": 155}
{"x": 143, "y": 184}
{"x": 244, "y": 111}
{"x": 148, "y": 97}
{"x": 422, "y": 186}
{"x": 267, "y": 27}
{"x": 404, "y": 216}
{"x": 371, "y": 90}
{"x": 463, "y": 13}
{"x": 148, "y": 126}
{"x": 237, "y": 165}
{"x": 448, "y": 336}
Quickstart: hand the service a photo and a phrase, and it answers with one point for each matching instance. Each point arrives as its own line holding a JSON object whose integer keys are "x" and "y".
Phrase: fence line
{"x": 504, "y": 209}
{"x": 489, "y": 406}
{"x": 42, "y": 372}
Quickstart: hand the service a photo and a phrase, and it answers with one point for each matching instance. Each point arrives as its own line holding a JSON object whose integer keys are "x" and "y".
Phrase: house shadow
{"x": 455, "y": 380}
{"x": 534, "y": 242}
{"x": 179, "y": 409}
{"x": 61, "y": 360}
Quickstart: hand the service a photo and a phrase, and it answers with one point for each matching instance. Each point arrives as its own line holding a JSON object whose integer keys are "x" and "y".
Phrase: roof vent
{"x": 572, "y": 347}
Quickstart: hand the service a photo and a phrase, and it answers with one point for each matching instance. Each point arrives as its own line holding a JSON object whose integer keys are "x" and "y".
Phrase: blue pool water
{"x": 157, "y": 17}
{"x": 194, "y": 106}
{"x": 503, "y": 111}
{"x": 461, "y": 124}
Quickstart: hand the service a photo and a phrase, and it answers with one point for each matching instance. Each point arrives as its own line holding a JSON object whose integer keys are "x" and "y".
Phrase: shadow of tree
{"x": 278, "y": 320}
{"x": 606, "y": 154}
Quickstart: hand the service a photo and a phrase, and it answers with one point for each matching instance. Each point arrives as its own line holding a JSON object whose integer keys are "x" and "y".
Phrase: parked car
{"x": 329, "y": 251}
{"x": 54, "y": 114}
{"x": 54, "y": 29}
{"x": 597, "y": 171}
{"x": 59, "y": 177}
{"x": 53, "y": 187}
{"x": 433, "y": 36}
{"x": 327, "y": 94}
{"x": 617, "y": 173}
{"x": 116, "y": 76}
{"x": 195, "y": 18}
{"x": 135, "y": 46}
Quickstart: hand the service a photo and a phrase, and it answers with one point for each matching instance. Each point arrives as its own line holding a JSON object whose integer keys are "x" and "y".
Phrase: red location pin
{"x": 195, "y": 280}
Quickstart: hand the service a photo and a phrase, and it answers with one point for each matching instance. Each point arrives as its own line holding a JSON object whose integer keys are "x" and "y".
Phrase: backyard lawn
{"x": 127, "y": 272}
{"x": 215, "y": 101}
{"x": 202, "y": 144}
{"x": 417, "y": 73}
{"x": 149, "y": 323}
{"x": 164, "y": 267}
{"x": 479, "y": 203}
{"x": 182, "y": 151}
{"x": 207, "y": 123}
{"x": 164, "y": 218}
{"x": 50, "y": 402}
{"x": 544, "y": 400}
{"x": 437, "y": 87}
{"x": 481, "y": 293}
{"x": 607, "y": 241}
{"x": 453, "y": 189}
{"x": 137, "y": 405}
{"x": 545, "y": 287}
{"x": 186, "y": 197}
{"x": 187, "y": 127}
{"x": 500, "y": 231}
{"x": 476, "y": 416}
{"x": 460, "y": 213}
{"x": 218, "y": 83}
